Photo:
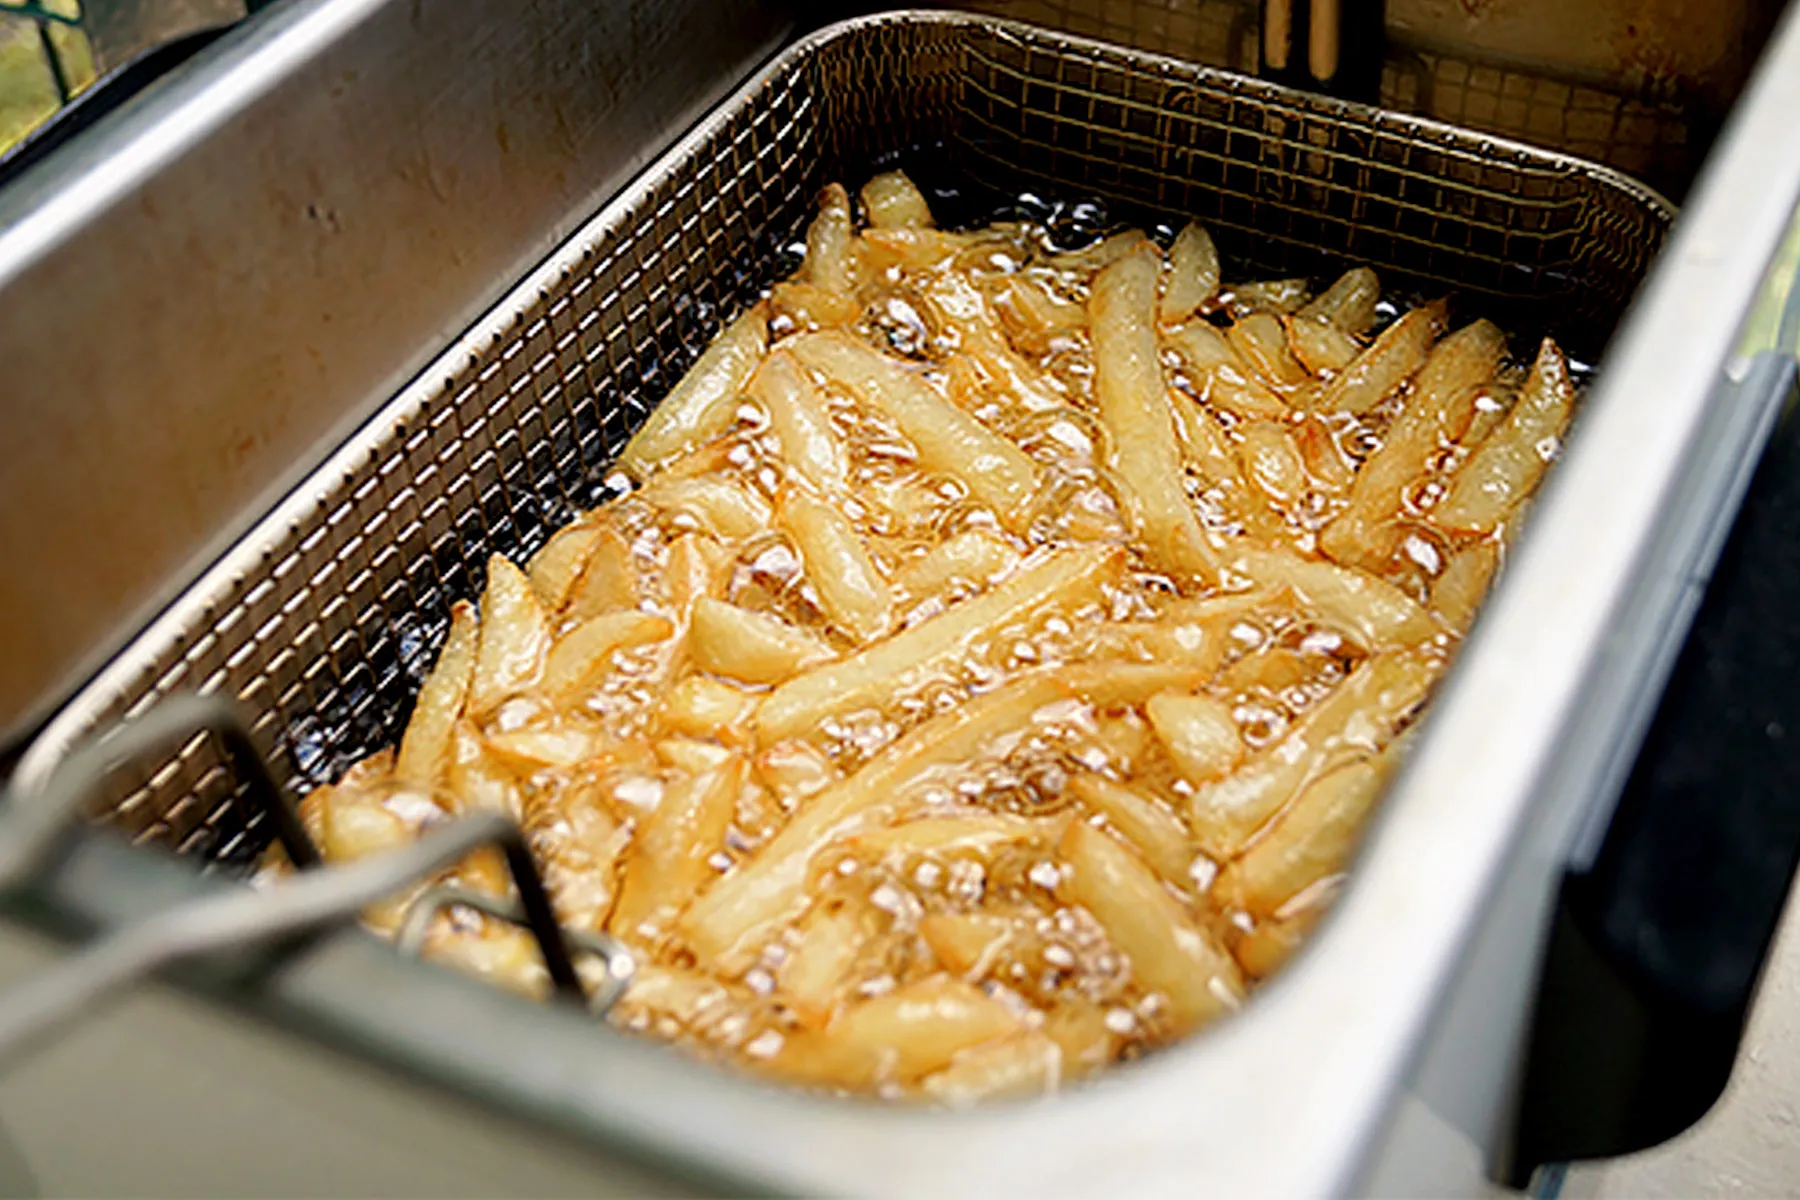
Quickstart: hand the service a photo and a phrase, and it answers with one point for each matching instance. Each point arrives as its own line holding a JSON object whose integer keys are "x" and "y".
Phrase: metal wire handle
{"x": 36, "y": 825}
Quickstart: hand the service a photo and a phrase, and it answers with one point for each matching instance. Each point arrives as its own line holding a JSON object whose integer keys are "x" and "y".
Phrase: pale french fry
{"x": 1439, "y": 409}
{"x": 1129, "y": 386}
{"x": 1354, "y": 721}
{"x": 980, "y": 836}
{"x": 555, "y": 568}
{"x": 983, "y": 345}
{"x": 580, "y": 657}
{"x": 1349, "y": 303}
{"x": 1123, "y": 740}
{"x": 1389, "y": 362}
{"x": 1169, "y": 952}
{"x": 1220, "y": 376}
{"x": 500, "y": 954}
{"x": 1272, "y": 462}
{"x": 668, "y": 863}
{"x": 425, "y": 749}
{"x": 726, "y": 509}
{"x": 1261, "y": 341}
{"x": 356, "y": 825}
{"x": 1060, "y": 581}
{"x": 695, "y": 570}
{"x": 892, "y": 201}
{"x": 808, "y": 306}
{"x": 974, "y": 557}
{"x": 514, "y": 635}
{"x": 1148, "y": 824}
{"x": 916, "y": 249}
{"x": 674, "y": 994}
{"x": 948, "y": 440}
{"x": 831, "y": 243}
{"x": 1277, "y": 297}
{"x": 578, "y": 844}
{"x": 1198, "y": 733}
{"x": 552, "y": 744}
{"x": 704, "y": 404}
{"x": 1192, "y": 275}
{"x": 1031, "y": 307}
{"x": 1323, "y": 457}
{"x": 609, "y": 579}
{"x": 1458, "y": 592}
{"x": 920, "y": 1027}
{"x": 1507, "y": 467}
{"x": 751, "y": 647}
{"x": 1267, "y": 948}
{"x": 1079, "y": 1029}
{"x": 1024, "y": 1064}
{"x": 1372, "y": 611}
{"x": 967, "y": 943}
{"x": 727, "y": 920}
{"x": 702, "y": 707}
{"x": 691, "y": 755}
{"x": 1107, "y": 685}
{"x": 796, "y": 769}
{"x": 478, "y": 781}
{"x": 851, "y": 589}
{"x": 1210, "y": 455}
{"x": 1311, "y": 839}
{"x": 799, "y": 419}
{"x": 1319, "y": 346}
{"x": 818, "y": 968}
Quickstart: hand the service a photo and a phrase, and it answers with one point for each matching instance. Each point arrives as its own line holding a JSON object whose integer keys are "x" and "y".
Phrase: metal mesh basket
{"x": 324, "y": 619}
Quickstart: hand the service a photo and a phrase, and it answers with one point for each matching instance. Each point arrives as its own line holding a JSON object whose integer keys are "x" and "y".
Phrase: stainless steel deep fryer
{"x": 323, "y": 619}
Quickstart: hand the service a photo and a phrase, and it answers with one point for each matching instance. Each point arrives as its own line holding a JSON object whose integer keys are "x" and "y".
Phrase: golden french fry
{"x": 514, "y": 635}
{"x": 751, "y": 647}
{"x": 1031, "y": 307}
{"x": 1389, "y": 362}
{"x": 831, "y": 243}
{"x": 892, "y": 201}
{"x": 974, "y": 557}
{"x": 668, "y": 863}
{"x": 1107, "y": 685}
{"x": 1169, "y": 952}
{"x": 1079, "y": 1029}
{"x": 1459, "y": 591}
{"x": 808, "y": 306}
{"x": 609, "y": 579}
{"x": 801, "y": 423}
{"x": 1437, "y": 412}
{"x": 1320, "y": 346}
{"x": 980, "y": 836}
{"x": 818, "y": 968}
{"x": 724, "y": 508}
{"x": 478, "y": 782}
{"x": 726, "y": 922}
{"x": 425, "y": 748}
{"x": 1261, "y": 341}
{"x": 551, "y": 744}
{"x": 851, "y": 589}
{"x": 1276, "y": 297}
{"x": 1267, "y": 948}
{"x": 1210, "y": 455}
{"x": 578, "y": 844}
{"x": 1324, "y": 458}
{"x": 695, "y": 570}
{"x": 1311, "y": 839}
{"x": 1349, "y": 303}
{"x": 1059, "y": 581}
{"x": 1220, "y": 375}
{"x": 702, "y": 707}
{"x": 580, "y": 657}
{"x": 555, "y": 568}
{"x": 1355, "y": 720}
{"x": 1023, "y": 1064}
{"x": 985, "y": 347}
{"x": 967, "y": 943}
{"x": 796, "y": 769}
{"x": 915, "y": 249}
{"x": 1129, "y": 386}
{"x": 1272, "y": 462}
{"x": 691, "y": 755}
{"x": 920, "y": 1027}
{"x": 948, "y": 440}
{"x": 1506, "y": 467}
{"x": 704, "y": 404}
{"x": 1198, "y": 733}
{"x": 1192, "y": 276}
{"x": 1372, "y": 611}
{"x": 1147, "y": 823}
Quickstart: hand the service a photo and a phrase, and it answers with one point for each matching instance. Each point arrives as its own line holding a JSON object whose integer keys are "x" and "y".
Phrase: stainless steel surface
{"x": 210, "y": 291}
{"x": 324, "y": 617}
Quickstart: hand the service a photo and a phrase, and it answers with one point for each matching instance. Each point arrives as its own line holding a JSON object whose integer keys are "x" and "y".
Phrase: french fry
{"x": 1129, "y": 386}
{"x": 1372, "y": 611}
{"x": 818, "y": 968}
{"x": 1090, "y": 260}
{"x": 609, "y": 578}
{"x": 1220, "y": 375}
{"x": 1312, "y": 838}
{"x": 1320, "y": 452}
{"x": 1080, "y": 1031}
{"x": 1108, "y": 685}
{"x": 1261, "y": 341}
{"x": 1210, "y": 455}
{"x": 1355, "y": 720}
{"x": 1320, "y": 346}
{"x": 1507, "y": 467}
{"x": 980, "y": 836}
{"x": 1458, "y": 592}
{"x": 801, "y": 424}
{"x": 514, "y": 635}
{"x": 1192, "y": 275}
{"x": 920, "y": 1027}
{"x": 579, "y": 657}
{"x": 1267, "y": 948}
{"x": 550, "y": 744}
{"x": 1198, "y": 733}
{"x": 702, "y": 707}
{"x": 1348, "y": 304}
{"x": 1439, "y": 409}
{"x": 1389, "y": 361}
{"x": 831, "y": 243}
{"x": 851, "y": 589}
{"x": 915, "y": 249}
{"x": 1147, "y": 823}
{"x": 796, "y": 769}
{"x": 425, "y": 749}
{"x": 668, "y": 863}
{"x": 704, "y": 404}
{"x": 1023, "y": 1064}
{"x": 579, "y": 844}
{"x": 985, "y": 347}
{"x": 1272, "y": 462}
{"x": 808, "y": 306}
{"x": 974, "y": 557}
{"x": 750, "y": 647}
{"x": 1031, "y": 308}
{"x": 948, "y": 440}
{"x": 476, "y": 779}
{"x": 892, "y": 201}
{"x": 1277, "y": 297}
{"x": 726, "y": 509}
{"x": 1168, "y": 951}
{"x": 555, "y": 568}
{"x": 1060, "y": 581}
{"x": 727, "y": 920}
{"x": 967, "y": 944}
{"x": 691, "y": 754}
